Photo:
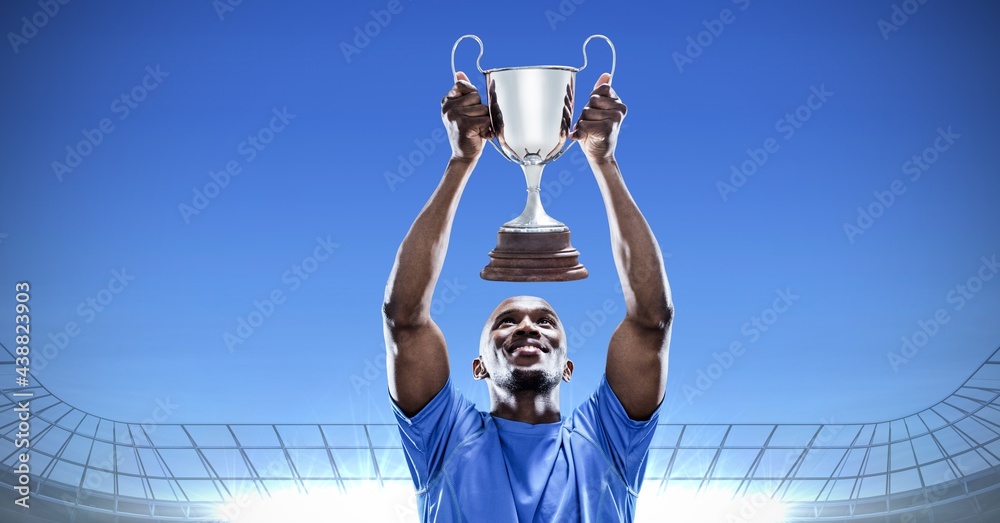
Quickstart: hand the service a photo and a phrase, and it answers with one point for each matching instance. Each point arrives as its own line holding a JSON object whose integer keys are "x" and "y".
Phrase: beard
{"x": 538, "y": 381}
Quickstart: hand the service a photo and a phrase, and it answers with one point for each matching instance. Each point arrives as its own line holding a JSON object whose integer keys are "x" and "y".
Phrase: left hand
{"x": 597, "y": 128}
{"x": 466, "y": 119}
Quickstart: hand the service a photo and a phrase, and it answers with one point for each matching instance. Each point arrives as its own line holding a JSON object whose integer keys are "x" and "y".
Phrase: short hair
{"x": 484, "y": 334}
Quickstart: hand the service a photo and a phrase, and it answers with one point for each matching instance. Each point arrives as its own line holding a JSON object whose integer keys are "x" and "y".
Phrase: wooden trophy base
{"x": 534, "y": 256}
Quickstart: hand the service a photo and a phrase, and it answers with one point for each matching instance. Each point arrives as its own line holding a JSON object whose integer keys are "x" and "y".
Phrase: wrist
{"x": 463, "y": 164}
{"x": 461, "y": 161}
{"x": 603, "y": 165}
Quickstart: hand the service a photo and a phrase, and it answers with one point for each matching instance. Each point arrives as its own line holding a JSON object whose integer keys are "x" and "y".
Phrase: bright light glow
{"x": 364, "y": 502}
{"x": 396, "y": 502}
{"x": 681, "y": 504}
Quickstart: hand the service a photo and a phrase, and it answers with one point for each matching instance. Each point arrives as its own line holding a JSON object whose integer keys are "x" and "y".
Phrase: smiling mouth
{"x": 527, "y": 348}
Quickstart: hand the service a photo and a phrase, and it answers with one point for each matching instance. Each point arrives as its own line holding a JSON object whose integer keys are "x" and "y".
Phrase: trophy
{"x": 531, "y": 111}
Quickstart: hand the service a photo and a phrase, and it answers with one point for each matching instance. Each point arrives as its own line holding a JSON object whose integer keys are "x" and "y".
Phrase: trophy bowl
{"x": 531, "y": 111}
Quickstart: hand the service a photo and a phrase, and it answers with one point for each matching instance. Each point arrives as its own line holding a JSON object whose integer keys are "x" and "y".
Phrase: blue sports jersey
{"x": 471, "y": 467}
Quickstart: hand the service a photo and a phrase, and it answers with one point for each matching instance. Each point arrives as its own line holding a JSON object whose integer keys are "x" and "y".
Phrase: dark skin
{"x": 522, "y": 354}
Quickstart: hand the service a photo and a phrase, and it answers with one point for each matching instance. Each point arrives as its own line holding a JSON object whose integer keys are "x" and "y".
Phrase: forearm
{"x": 422, "y": 253}
{"x": 636, "y": 252}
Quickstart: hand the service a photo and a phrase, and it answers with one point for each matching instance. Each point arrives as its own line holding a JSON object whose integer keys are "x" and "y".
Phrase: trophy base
{"x": 534, "y": 256}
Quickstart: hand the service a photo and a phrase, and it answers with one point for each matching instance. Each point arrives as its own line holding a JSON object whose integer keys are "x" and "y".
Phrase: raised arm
{"x": 637, "y": 355}
{"x": 416, "y": 354}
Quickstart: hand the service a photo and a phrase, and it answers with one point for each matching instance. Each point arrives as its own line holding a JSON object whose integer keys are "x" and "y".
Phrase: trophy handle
{"x": 454, "y": 72}
{"x": 614, "y": 61}
{"x": 614, "y": 56}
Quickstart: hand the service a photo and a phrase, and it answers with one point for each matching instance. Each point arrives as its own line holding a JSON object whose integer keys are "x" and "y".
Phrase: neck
{"x": 526, "y": 406}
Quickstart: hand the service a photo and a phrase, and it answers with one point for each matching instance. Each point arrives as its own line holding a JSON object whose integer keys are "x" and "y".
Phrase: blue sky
{"x": 328, "y": 144}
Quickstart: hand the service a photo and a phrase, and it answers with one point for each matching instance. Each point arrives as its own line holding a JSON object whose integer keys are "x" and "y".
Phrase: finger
{"x": 473, "y": 110}
{"x": 605, "y": 102}
{"x": 595, "y": 115}
{"x": 591, "y": 129}
{"x": 604, "y": 90}
{"x": 462, "y": 101}
{"x": 462, "y": 86}
{"x": 459, "y": 90}
{"x": 479, "y": 126}
{"x": 602, "y": 80}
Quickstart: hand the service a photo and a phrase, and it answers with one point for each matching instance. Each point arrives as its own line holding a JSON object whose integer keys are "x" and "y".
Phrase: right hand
{"x": 466, "y": 119}
{"x": 599, "y": 123}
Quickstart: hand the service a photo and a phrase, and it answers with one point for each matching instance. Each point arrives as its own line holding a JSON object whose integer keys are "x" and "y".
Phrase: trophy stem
{"x": 533, "y": 175}
{"x": 534, "y": 246}
{"x": 534, "y": 218}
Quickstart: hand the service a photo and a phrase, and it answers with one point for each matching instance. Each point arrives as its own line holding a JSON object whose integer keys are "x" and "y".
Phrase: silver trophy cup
{"x": 531, "y": 110}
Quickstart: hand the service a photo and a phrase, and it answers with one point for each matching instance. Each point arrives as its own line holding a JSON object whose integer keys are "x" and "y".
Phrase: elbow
{"x": 396, "y": 317}
{"x": 665, "y": 317}
{"x": 391, "y": 315}
{"x": 659, "y": 318}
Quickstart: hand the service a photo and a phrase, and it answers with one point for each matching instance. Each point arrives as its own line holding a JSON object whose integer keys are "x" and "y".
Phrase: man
{"x": 522, "y": 461}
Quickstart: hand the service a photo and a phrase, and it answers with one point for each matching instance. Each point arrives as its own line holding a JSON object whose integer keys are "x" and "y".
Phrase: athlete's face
{"x": 523, "y": 347}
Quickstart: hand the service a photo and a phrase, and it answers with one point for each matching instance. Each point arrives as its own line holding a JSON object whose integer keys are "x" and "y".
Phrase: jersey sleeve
{"x": 430, "y": 435}
{"x": 623, "y": 440}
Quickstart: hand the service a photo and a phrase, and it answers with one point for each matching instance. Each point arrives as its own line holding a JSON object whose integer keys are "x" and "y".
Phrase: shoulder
{"x": 449, "y": 411}
{"x": 602, "y": 408}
